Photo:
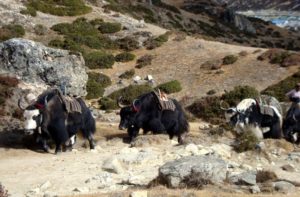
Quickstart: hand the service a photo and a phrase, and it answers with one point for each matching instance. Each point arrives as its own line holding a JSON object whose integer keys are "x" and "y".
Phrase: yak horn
{"x": 223, "y": 108}
{"x": 119, "y": 102}
{"x": 21, "y": 103}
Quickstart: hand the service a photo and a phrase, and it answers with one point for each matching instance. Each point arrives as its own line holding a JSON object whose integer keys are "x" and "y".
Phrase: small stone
{"x": 246, "y": 167}
{"x": 113, "y": 165}
{"x": 254, "y": 189}
{"x": 192, "y": 148}
{"x": 45, "y": 186}
{"x": 136, "y": 79}
{"x": 288, "y": 168}
{"x": 139, "y": 194}
{"x": 284, "y": 187}
{"x": 81, "y": 189}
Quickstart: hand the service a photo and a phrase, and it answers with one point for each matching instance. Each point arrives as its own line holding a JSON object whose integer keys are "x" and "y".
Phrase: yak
{"x": 291, "y": 124}
{"x": 145, "y": 113}
{"x": 49, "y": 116}
{"x": 264, "y": 121}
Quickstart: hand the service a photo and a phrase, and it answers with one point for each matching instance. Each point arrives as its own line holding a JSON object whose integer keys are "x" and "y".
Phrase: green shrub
{"x": 29, "y": 11}
{"x": 108, "y": 104}
{"x": 11, "y": 31}
{"x": 130, "y": 93}
{"x": 61, "y": 7}
{"x": 163, "y": 38}
{"x": 278, "y": 59}
{"x": 281, "y": 88}
{"x": 107, "y": 27}
{"x": 229, "y": 59}
{"x": 124, "y": 57}
{"x": 99, "y": 59}
{"x": 143, "y": 61}
{"x": 128, "y": 44}
{"x": 94, "y": 42}
{"x": 96, "y": 21}
{"x": 239, "y": 93}
{"x": 170, "y": 87}
{"x": 67, "y": 45}
{"x": 161, "y": 4}
{"x": 96, "y": 85}
{"x": 127, "y": 74}
{"x": 153, "y": 43}
{"x": 40, "y": 29}
{"x": 246, "y": 141}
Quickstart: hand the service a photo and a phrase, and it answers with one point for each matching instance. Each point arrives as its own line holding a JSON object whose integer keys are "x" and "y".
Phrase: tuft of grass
{"x": 153, "y": 43}
{"x": 127, "y": 74}
{"x": 61, "y": 7}
{"x": 128, "y": 44}
{"x": 245, "y": 142}
{"x": 161, "y": 4}
{"x": 66, "y": 44}
{"x": 107, "y": 103}
{"x": 239, "y": 93}
{"x": 96, "y": 84}
{"x": 130, "y": 93}
{"x": 281, "y": 57}
{"x": 99, "y": 59}
{"x": 212, "y": 64}
{"x": 40, "y": 29}
{"x": 229, "y": 59}
{"x": 265, "y": 175}
{"x": 11, "y": 31}
{"x": 143, "y": 61}
{"x": 29, "y": 11}
{"x": 170, "y": 87}
{"x": 107, "y": 27}
{"x": 124, "y": 57}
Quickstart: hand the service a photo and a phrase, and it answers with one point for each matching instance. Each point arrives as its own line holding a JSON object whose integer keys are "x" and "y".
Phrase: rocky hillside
{"x": 287, "y": 5}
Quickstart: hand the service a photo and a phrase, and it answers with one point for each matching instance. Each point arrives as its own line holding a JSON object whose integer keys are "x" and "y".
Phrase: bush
{"x": 212, "y": 64}
{"x": 170, "y": 87}
{"x": 291, "y": 60}
{"x": 161, "y": 4}
{"x": 153, "y": 43}
{"x": 143, "y": 61}
{"x": 246, "y": 141}
{"x": 130, "y": 93}
{"x": 128, "y": 44}
{"x": 229, "y": 59}
{"x": 11, "y": 31}
{"x": 29, "y": 11}
{"x": 124, "y": 57}
{"x": 40, "y": 29}
{"x": 108, "y": 103}
{"x": 96, "y": 85}
{"x": 109, "y": 27}
{"x": 281, "y": 88}
{"x": 60, "y": 8}
{"x": 127, "y": 74}
{"x": 99, "y": 59}
{"x": 264, "y": 176}
{"x": 96, "y": 21}
{"x": 66, "y": 44}
{"x": 239, "y": 93}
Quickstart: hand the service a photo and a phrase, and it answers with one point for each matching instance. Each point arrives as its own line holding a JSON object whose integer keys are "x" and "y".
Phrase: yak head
{"x": 127, "y": 113}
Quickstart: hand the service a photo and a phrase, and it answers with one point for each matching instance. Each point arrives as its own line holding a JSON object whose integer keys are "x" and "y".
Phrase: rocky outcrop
{"x": 35, "y": 63}
{"x": 207, "y": 169}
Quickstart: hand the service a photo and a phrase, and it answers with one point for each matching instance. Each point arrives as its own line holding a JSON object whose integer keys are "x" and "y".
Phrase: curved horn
{"x": 221, "y": 102}
{"x": 119, "y": 102}
{"x": 21, "y": 103}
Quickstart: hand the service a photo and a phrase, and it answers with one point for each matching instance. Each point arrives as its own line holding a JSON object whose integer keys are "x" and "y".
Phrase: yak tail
{"x": 184, "y": 126}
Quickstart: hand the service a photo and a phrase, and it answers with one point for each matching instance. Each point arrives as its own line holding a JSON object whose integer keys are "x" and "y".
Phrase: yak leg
{"x": 181, "y": 138}
{"x": 58, "y": 148}
{"x": 91, "y": 141}
{"x": 133, "y": 131}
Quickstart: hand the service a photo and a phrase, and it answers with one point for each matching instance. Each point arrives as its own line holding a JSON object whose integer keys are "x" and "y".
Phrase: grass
{"x": 11, "y": 31}
{"x": 281, "y": 57}
{"x": 246, "y": 141}
{"x": 170, "y": 87}
{"x": 96, "y": 85}
{"x": 128, "y": 44}
{"x": 127, "y": 74}
{"x": 60, "y": 7}
{"x": 29, "y": 11}
{"x": 99, "y": 59}
{"x": 153, "y": 43}
{"x": 107, "y": 103}
{"x": 229, "y": 59}
{"x": 107, "y": 27}
{"x": 143, "y": 61}
{"x": 124, "y": 57}
{"x": 40, "y": 29}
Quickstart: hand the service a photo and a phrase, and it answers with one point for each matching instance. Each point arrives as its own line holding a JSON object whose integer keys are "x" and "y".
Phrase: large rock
{"x": 206, "y": 168}
{"x": 36, "y": 64}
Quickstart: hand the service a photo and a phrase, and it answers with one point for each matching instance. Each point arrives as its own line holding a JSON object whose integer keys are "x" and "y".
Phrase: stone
{"x": 254, "y": 189}
{"x": 192, "y": 148}
{"x": 45, "y": 186}
{"x": 284, "y": 187}
{"x": 81, "y": 189}
{"x": 30, "y": 61}
{"x": 208, "y": 168}
{"x": 222, "y": 149}
{"x": 288, "y": 167}
{"x": 142, "y": 193}
{"x": 113, "y": 165}
{"x": 244, "y": 178}
{"x": 136, "y": 79}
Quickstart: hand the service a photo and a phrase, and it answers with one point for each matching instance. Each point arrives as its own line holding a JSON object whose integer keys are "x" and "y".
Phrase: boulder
{"x": 35, "y": 63}
{"x": 113, "y": 165}
{"x": 244, "y": 178}
{"x": 284, "y": 187}
{"x": 208, "y": 169}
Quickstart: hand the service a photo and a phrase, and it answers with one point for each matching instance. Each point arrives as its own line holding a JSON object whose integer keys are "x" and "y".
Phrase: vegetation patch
{"x": 29, "y": 11}
{"x": 281, "y": 88}
{"x": 143, "y": 61}
{"x": 99, "y": 59}
{"x": 127, "y": 74}
{"x": 229, "y": 59}
{"x": 107, "y": 103}
{"x": 128, "y": 43}
{"x": 265, "y": 176}
{"x": 212, "y": 64}
{"x": 124, "y": 57}
{"x": 96, "y": 84}
{"x": 195, "y": 181}
{"x": 61, "y": 7}
{"x": 161, "y": 4}
{"x": 130, "y": 93}
{"x": 281, "y": 57}
{"x": 40, "y": 29}
{"x": 11, "y": 31}
{"x": 153, "y": 43}
{"x": 170, "y": 87}
{"x": 245, "y": 142}
{"x": 67, "y": 44}
{"x": 107, "y": 27}
{"x": 239, "y": 93}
